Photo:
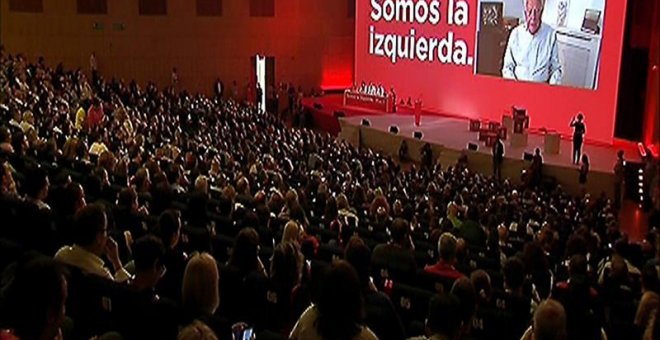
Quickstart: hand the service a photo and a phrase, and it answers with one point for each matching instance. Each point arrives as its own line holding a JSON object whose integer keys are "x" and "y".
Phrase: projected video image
{"x": 556, "y": 42}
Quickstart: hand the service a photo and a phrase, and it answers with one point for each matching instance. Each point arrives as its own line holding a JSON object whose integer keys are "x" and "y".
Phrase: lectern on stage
{"x": 520, "y": 126}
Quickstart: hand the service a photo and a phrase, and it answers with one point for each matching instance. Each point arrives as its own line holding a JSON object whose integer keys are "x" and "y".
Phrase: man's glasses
{"x": 536, "y": 12}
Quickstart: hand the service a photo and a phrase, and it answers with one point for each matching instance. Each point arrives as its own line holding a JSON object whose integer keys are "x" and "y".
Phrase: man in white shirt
{"x": 532, "y": 53}
{"x": 91, "y": 241}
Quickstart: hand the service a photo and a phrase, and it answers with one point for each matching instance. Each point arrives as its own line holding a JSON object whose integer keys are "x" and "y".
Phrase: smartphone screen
{"x": 248, "y": 334}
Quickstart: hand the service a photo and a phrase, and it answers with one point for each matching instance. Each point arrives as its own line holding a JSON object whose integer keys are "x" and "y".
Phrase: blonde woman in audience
{"x": 293, "y": 233}
{"x": 200, "y": 293}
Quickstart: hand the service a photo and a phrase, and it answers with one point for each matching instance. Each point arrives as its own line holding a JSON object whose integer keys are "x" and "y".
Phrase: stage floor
{"x": 453, "y": 133}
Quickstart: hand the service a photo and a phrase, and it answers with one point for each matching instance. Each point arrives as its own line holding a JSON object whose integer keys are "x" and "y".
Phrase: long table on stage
{"x": 385, "y": 104}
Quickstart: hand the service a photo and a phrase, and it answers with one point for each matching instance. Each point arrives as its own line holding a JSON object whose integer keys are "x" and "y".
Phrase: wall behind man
{"x": 312, "y": 41}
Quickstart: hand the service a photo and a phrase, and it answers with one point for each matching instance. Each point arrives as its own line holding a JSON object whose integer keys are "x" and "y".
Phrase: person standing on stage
{"x": 584, "y": 170}
{"x": 392, "y": 95}
{"x": 536, "y": 169}
{"x": 259, "y": 97}
{"x": 426, "y": 153}
{"x": 619, "y": 178}
{"x": 579, "y": 129}
{"x": 94, "y": 68}
{"x": 175, "y": 79}
{"x": 219, "y": 88}
{"x": 498, "y": 157}
{"x": 234, "y": 90}
{"x": 418, "y": 112}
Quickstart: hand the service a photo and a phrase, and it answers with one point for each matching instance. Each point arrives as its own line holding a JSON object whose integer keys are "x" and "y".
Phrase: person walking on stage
{"x": 579, "y": 129}
{"x": 498, "y": 157}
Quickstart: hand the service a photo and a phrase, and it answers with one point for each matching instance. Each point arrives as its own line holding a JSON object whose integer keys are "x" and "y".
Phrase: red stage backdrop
{"x": 429, "y": 50}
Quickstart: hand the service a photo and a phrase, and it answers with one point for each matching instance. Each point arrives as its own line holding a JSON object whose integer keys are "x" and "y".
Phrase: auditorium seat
{"x": 9, "y": 209}
{"x": 235, "y": 301}
{"x": 382, "y": 271}
{"x": 270, "y": 335}
{"x": 10, "y": 251}
{"x": 423, "y": 258}
{"x": 477, "y": 261}
{"x": 620, "y": 306}
{"x": 433, "y": 283}
{"x": 518, "y": 307}
{"x": 492, "y": 323}
{"x": 265, "y": 253}
{"x": 222, "y": 246}
{"x": 199, "y": 239}
{"x": 326, "y": 235}
{"x": 411, "y": 304}
{"x": 258, "y": 298}
{"x": 36, "y": 228}
{"x": 89, "y": 303}
{"x": 328, "y": 253}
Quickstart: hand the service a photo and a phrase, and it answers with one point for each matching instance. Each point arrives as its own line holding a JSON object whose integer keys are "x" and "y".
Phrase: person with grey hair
{"x": 444, "y": 268}
{"x": 532, "y": 52}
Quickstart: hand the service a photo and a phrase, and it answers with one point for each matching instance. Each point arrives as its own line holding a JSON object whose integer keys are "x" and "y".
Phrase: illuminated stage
{"x": 448, "y": 136}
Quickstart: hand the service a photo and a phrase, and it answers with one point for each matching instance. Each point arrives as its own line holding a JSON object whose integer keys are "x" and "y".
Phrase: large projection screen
{"x": 477, "y": 58}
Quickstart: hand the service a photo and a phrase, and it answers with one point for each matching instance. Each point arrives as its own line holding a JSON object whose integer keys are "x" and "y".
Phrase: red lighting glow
{"x": 641, "y": 149}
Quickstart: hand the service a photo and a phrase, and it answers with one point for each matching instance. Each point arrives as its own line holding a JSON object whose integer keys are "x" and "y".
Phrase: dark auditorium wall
{"x": 312, "y": 40}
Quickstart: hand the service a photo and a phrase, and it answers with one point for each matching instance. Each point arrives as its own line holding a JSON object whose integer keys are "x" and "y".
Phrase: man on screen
{"x": 532, "y": 53}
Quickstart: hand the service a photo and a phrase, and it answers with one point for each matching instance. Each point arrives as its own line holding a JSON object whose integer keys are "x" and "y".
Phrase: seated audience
{"x": 549, "y": 322}
{"x": 581, "y": 301}
{"x": 381, "y": 316}
{"x": 464, "y": 291}
{"x": 200, "y": 294}
{"x": 339, "y": 311}
{"x": 174, "y": 259}
{"x": 90, "y": 242}
{"x": 650, "y": 300}
{"x": 128, "y": 214}
{"x": 144, "y": 143}
{"x": 471, "y": 231}
{"x": 514, "y": 300}
{"x": 196, "y": 330}
{"x": 35, "y": 301}
{"x": 397, "y": 255}
{"x": 141, "y": 312}
{"x": 245, "y": 253}
{"x": 285, "y": 273}
{"x": 7, "y": 183}
{"x": 445, "y": 266}
{"x": 444, "y": 319}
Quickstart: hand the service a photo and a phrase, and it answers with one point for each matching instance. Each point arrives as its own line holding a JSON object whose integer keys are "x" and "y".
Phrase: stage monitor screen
{"x": 478, "y": 58}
